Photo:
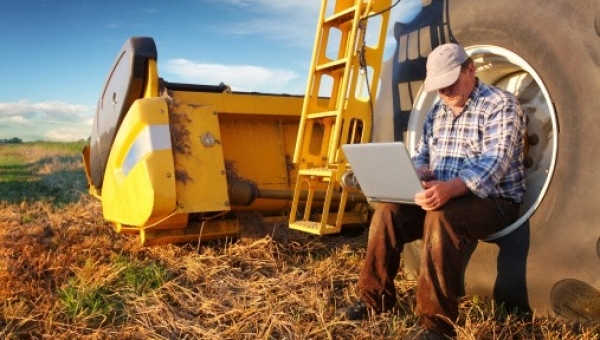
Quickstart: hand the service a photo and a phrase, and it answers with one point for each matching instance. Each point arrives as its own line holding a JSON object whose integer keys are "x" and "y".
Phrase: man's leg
{"x": 446, "y": 233}
{"x": 392, "y": 226}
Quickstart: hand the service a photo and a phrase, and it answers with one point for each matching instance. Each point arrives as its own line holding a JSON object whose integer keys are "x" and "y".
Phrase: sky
{"x": 56, "y": 54}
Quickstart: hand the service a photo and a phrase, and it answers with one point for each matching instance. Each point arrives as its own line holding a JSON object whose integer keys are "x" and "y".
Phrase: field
{"x": 65, "y": 274}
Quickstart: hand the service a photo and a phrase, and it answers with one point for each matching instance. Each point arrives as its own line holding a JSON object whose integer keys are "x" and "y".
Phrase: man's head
{"x": 451, "y": 72}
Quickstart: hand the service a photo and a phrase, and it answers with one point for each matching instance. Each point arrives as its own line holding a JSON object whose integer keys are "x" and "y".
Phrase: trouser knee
{"x": 382, "y": 218}
{"x": 439, "y": 229}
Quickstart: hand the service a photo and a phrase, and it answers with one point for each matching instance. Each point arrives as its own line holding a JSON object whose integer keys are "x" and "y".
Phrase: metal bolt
{"x": 533, "y": 139}
{"x": 208, "y": 139}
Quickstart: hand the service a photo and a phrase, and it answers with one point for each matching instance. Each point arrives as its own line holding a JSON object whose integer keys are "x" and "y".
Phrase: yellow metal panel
{"x": 200, "y": 175}
{"x": 258, "y": 134}
{"x": 265, "y": 106}
{"x": 257, "y": 138}
{"x": 254, "y": 150}
{"x": 139, "y": 183}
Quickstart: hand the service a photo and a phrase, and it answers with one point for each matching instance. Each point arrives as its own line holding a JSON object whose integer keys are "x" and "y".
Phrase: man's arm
{"x": 502, "y": 135}
{"x": 438, "y": 193}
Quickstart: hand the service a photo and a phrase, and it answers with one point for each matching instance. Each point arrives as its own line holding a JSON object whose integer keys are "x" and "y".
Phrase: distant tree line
{"x": 14, "y": 140}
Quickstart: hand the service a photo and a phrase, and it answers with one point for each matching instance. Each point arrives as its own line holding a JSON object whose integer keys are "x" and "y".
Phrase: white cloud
{"x": 277, "y": 5}
{"x": 67, "y": 134}
{"x": 43, "y": 109}
{"x": 290, "y": 21}
{"x": 239, "y": 77}
{"x": 283, "y": 23}
{"x": 296, "y": 21}
{"x": 52, "y": 120}
{"x": 115, "y": 25}
{"x": 150, "y": 10}
{"x": 12, "y": 120}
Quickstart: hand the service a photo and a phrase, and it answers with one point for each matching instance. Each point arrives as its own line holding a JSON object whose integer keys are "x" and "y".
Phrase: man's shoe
{"x": 419, "y": 333}
{"x": 358, "y": 311}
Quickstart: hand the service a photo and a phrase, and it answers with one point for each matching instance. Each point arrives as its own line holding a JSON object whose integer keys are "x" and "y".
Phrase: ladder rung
{"x": 314, "y": 227}
{"x": 332, "y": 65}
{"x": 324, "y": 114}
{"x": 341, "y": 16}
{"x": 315, "y": 172}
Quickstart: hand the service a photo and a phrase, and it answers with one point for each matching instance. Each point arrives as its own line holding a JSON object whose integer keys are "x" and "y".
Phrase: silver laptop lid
{"x": 384, "y": 171}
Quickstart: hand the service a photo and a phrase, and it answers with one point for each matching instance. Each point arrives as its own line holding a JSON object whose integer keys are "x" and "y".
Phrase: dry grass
{"x": 65, "y": 274}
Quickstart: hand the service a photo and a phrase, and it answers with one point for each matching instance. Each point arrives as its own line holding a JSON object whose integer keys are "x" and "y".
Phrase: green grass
{"x": 41, "y": 171}
{"x": 143, "y": 279}
{"x": 94, "y": 305}
{"x": 98, "y": 292}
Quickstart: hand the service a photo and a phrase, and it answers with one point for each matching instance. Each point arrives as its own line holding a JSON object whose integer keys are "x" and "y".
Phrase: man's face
{"x": 457, "y": 94}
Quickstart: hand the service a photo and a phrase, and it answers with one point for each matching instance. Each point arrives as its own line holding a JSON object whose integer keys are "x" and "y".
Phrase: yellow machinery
{"x": 176, "y": 162}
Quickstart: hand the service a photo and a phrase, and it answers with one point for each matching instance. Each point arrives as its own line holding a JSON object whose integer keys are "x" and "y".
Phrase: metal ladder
{"x": 343, "y": 78}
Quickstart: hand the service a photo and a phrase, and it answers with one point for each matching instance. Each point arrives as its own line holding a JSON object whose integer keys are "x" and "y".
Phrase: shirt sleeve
{"x": 501, "y": 134}
{"x": 422, "y": 156}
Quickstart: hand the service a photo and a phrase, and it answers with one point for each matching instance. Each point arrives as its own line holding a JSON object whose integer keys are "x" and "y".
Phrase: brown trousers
{"x": 445, "y": 232}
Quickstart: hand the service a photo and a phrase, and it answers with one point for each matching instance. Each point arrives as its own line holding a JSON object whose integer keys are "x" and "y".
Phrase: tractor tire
{"x": 554, "y": 48}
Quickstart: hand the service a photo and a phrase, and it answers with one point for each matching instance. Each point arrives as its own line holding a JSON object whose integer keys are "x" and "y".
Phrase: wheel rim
{"x": 505, "y": 69}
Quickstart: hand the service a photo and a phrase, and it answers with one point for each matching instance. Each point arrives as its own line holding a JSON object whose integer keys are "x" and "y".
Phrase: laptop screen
{"x": 384, "y": 171}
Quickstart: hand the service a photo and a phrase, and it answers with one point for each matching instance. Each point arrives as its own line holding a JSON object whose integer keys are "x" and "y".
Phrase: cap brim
{"x": 442, "y": 80}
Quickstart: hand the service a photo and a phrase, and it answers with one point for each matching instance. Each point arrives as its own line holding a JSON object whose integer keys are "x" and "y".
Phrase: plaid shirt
{"x": 483, "y": 145}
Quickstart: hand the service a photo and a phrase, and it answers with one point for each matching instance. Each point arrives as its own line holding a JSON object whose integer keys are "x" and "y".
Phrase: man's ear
{"x": 471, "y": 68}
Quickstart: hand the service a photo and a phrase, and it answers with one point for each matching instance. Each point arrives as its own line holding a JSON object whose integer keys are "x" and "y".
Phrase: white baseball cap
{"x": 443, "y": 66}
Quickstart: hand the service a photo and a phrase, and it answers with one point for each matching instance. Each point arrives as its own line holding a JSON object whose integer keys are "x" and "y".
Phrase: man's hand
{"x": 438, "y": 193}
{"x": 425, "y": 174}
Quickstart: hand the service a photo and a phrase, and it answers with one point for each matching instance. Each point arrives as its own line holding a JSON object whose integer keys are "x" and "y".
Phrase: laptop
{"x": 384, "y": 171}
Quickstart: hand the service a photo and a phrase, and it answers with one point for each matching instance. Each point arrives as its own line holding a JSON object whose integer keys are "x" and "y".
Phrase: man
{"x": 470, "y": 158}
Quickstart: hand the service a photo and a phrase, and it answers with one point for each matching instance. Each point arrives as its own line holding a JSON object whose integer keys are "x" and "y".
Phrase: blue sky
{"x": 55, "y": 55}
